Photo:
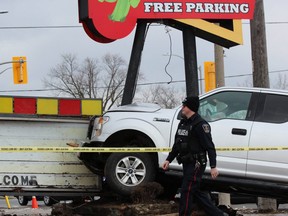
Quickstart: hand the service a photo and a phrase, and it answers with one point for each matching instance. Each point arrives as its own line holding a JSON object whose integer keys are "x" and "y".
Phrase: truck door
{"x": 270, "y": 129}
{"x": 230, "y": 115}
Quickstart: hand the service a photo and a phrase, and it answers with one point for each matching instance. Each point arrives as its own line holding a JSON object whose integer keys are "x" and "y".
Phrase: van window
{"x": 275, "y": 109}
{"x": 225, "y": 105}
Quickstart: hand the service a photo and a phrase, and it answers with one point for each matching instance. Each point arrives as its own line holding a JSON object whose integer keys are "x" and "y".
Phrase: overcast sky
{"x": 43, "y": 47}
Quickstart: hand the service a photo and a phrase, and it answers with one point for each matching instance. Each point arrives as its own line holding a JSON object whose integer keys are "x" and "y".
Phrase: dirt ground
{"x": 144, "y": 201}
{"x": 159, "y": 208}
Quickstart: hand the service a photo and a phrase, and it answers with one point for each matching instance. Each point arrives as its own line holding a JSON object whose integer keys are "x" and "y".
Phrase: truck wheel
{"x": 48, "y": 201}
{"x": 22, "y": 200}
{"x": 124, "y": 171}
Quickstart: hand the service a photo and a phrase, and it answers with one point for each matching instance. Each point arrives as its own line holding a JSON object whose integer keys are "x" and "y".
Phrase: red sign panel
{"x": 70, "y": 107}
{"x": 25, "y": 106}
{"x": 109, "y": 20}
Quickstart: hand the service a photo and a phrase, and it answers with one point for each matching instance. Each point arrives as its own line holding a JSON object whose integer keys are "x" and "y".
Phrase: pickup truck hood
{"x": 137, "y": 107}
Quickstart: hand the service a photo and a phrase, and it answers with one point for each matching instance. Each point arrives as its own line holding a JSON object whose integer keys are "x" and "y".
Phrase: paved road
{"x": 23, "y": 210}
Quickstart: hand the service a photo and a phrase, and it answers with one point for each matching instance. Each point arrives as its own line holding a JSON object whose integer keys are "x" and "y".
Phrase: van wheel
{"x": 48, "y": 201}
{"x": 125, "y": 171}
{"x": 22, "y": 200}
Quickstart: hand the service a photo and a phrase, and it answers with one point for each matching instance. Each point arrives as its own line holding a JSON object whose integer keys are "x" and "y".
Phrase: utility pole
{"x": 219, "y": 65}
{"x": 259, "y": 47}
{"x": 224, "y": 198}
{"x": 260, "y": 73}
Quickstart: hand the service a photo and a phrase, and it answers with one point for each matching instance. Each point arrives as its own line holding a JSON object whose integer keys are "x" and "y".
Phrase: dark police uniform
{"x": 193, "y": 141}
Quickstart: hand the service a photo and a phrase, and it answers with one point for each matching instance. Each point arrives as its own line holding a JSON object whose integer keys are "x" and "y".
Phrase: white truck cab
{"x": 239, "y": 118}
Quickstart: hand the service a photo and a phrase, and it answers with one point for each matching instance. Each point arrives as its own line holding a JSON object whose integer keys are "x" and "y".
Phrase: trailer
{"x": 45, "y": 122}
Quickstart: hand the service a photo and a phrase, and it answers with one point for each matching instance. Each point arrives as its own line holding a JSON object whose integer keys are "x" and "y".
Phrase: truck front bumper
{"x": 94, "y": 161}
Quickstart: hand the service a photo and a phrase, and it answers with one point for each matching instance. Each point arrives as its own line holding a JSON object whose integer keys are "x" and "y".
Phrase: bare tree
{"x": 90, "y": 79}
{"x": 282, "y": 82}
{"x": 114, "y": 68}
{"x": 68, "y": 78}
{"x": 247, "y": 83}
{"x": 166, "y": 97}
{"x": 90, "y": 72}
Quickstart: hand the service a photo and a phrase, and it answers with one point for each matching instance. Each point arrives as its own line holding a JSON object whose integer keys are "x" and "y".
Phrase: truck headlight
{"x": 99, "y": 122}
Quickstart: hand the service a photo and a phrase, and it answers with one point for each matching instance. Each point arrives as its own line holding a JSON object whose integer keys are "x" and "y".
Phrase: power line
{"x": 140, "y": 84}
{"x": 101, "y": 87}
{"x": 39, "y": 27}
{"x": 167, "y": 29}
{"x": 278, "y": 71}
{"x": 270, "y": 23}
{"x": 276, "y": 23}
{"x": 80, "y": 26}
{"x": 50, "y": 27}
{"x": 250, "y": 74}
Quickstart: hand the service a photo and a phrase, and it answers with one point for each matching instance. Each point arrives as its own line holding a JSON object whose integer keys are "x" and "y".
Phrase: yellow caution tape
{"x": 115, "y": 149}
{"x": 80, "y": 149}
{"x": 253, "y": 149}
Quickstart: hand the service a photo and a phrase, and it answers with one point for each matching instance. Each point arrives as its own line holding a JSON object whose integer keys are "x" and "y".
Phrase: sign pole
{"x": 135, "y": 60}
{"x": 190, "y": 60}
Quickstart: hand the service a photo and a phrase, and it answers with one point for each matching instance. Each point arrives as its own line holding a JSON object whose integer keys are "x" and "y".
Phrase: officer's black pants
{"x": 191, "y": 189}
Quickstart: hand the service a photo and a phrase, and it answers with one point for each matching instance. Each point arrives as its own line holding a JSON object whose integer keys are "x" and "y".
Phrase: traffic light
{"x": 20, "y": 70}
{"x": 209, "y": 76}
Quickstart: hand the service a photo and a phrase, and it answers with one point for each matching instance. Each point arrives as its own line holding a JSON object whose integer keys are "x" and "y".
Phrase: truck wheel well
{"x": 131, "y": 138}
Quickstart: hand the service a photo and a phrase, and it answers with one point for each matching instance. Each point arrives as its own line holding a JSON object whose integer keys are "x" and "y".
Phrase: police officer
{"x": 192, "y": 142}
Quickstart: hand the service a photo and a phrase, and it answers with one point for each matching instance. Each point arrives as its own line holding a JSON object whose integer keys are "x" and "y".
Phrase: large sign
{"x": 108, "y": 20}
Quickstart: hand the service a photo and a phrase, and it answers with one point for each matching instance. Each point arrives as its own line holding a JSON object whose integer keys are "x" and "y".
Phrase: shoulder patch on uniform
{"x": 206, "y": 128}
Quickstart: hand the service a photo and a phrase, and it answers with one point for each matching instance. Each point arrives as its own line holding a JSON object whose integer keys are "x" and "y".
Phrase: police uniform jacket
{"x": 196, "y": 133}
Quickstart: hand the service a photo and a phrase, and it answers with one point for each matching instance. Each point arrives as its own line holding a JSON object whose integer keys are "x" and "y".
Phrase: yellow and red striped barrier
{"x": 50, "y": 106}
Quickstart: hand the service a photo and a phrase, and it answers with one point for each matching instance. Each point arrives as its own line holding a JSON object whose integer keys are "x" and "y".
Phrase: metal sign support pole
{"x": 190, "y": 59}
{"x": 134, "y": 64}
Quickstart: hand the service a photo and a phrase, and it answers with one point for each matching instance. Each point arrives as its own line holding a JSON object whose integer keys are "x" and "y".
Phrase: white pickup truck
{"x": 239, "y": 117}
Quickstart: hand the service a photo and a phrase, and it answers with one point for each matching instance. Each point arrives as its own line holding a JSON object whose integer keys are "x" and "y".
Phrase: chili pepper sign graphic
{"x": 121, "y": 9}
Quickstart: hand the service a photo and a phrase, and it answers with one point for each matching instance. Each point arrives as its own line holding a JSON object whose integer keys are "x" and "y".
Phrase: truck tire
{"x": 23, "y": 200}
{"x": 125, "y": 171}
{"x": 48, "y": 201}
